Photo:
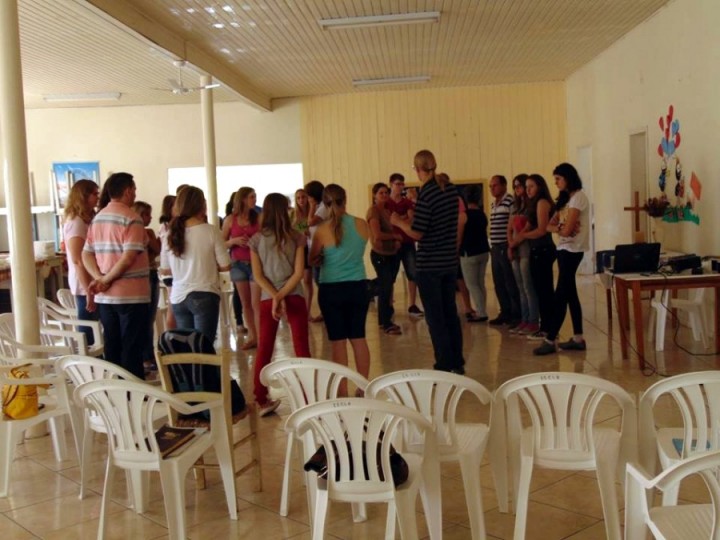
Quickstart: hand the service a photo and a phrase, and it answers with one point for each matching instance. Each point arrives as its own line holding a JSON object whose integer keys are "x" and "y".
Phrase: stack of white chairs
{"x": 695, "y": 307}
{"x": 55, "y": 316}
{"x": 436, "y": 395}
{"x": 306, "y": 381}
{"x": 54, "y": 340}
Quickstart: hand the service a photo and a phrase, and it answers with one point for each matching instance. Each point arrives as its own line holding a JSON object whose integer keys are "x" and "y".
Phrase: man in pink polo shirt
{"x": 116, "y": 258}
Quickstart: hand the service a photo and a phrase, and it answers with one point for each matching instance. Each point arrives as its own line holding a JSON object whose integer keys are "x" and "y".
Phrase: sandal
{"x": 319, "y": 318}
{"x": 392, "y": 329}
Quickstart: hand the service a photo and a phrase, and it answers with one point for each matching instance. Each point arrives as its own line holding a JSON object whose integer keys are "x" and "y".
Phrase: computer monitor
{"x": 635, "y": 258}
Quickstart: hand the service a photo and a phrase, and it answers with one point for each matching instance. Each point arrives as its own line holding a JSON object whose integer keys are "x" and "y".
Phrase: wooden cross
{"x": 636, "y": 210}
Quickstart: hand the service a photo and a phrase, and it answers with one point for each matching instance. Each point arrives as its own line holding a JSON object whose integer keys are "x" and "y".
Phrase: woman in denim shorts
{"x": 237, "y": 230}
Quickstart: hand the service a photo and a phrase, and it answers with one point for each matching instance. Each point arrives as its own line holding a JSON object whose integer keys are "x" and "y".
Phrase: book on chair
{"x": 171, "y": 438}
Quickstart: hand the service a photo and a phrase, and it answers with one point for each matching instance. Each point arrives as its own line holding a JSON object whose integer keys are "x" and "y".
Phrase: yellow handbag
{"x": 20, "y": 401}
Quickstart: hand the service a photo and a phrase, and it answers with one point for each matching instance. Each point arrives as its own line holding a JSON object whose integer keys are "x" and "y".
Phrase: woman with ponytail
{"x": 193, "y": 253}
{"x": 435, "y": 227}
{"x": 338, "y": 247}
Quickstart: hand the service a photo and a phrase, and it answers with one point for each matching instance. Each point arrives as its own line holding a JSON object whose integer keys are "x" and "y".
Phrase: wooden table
{"x": 44, "y": 268}
{"x": 657, "y": 282}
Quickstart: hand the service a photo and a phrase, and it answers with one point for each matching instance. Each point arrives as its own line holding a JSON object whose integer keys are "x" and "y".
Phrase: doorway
{"x": 638, "y": 179}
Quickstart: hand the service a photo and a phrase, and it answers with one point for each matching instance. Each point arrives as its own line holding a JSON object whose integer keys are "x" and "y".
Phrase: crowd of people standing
{"x": 277, "y": 256}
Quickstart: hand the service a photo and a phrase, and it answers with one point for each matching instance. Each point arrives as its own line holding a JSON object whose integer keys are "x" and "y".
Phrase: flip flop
{"x": 393, "y": 330}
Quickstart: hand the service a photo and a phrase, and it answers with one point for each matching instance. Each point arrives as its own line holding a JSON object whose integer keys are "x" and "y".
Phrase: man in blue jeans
{"x": 505, "y": 287}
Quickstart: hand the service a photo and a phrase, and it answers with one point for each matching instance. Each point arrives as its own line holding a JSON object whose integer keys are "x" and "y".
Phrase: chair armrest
{"x": 78, "y": 338}
{"x": 639, "y": 475}
{"x": 183, "y": 408}
{"x": 77, "y": 323}
{"x": 46, "y": 380}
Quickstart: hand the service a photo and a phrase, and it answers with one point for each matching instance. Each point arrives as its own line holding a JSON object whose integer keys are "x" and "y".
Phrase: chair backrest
{"x": 357, "y": 434}
{"x": 66, "y": 299}
{"x": 49, "y": 312}
{"x": 187, "y": 363}
{"x": 84, "y": 369}
{"x": 695, "y": 518}
{"x": 561, "y": 410}
{"x": 697, "y": 396}
{"x": 307, "y": 380}
{"x": 128, "y": 409}
{"x": 434, "y": 394}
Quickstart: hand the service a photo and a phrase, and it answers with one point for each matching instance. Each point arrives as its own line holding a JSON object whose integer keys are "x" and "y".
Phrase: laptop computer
{"x": 636, "y": 258}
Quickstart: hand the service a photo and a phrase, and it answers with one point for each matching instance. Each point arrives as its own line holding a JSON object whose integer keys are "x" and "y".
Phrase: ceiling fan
{"x": 178, "y": 88}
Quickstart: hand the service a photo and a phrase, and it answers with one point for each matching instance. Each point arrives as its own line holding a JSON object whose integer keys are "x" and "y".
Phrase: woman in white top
{"x": 571, "y": 223}
{"x": 79, "y": 212}
{"x": 193, "y": 253}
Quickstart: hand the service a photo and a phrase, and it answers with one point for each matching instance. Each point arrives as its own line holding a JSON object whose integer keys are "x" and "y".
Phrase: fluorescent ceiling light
{"x": 97, "y": 96}
{"x": 391, "y": 80}
{"x": 380, "y": 20}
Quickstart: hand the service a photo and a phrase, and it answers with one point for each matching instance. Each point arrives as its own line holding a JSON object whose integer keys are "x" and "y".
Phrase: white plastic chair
{"x": 80, "y": 370}
{"x": 560, "y": 434}
{"x": 128, "y": 410}
{"x": 55, "y": 406}
{"x": 357, "y": 435}
{"x": 668, "y": 521}
{"x": 694, "y": 306}
{"x": 66, "y": 299}
{"x": 52, "y": 315}
{"x": 697, "y": 397}
{"x": 227, "y": 313}
{"x": 436, "y": 395}
{"x": 53, "y": 341}
{"x": 306, "y": 381}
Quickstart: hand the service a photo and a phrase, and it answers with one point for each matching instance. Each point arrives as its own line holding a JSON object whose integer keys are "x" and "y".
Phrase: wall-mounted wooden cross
{"x": 636, "y": 209}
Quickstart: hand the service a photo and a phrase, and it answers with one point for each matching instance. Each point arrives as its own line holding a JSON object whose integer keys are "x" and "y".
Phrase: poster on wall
{"x": 65, "y": 174}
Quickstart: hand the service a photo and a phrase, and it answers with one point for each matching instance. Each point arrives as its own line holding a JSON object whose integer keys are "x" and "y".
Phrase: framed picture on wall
{"x": 65, "y": 174}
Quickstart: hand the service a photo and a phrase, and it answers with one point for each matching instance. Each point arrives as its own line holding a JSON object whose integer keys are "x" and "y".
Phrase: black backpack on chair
{"x": 196, "y": 377}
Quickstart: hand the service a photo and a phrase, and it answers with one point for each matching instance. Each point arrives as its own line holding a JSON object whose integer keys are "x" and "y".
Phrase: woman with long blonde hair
{"x": 79, "y": 212}
{"x": 237, "y": 230}
{"x": 278, "y": 264}
{"x": 435, "y": 228}
{"x": 338, "y": 247}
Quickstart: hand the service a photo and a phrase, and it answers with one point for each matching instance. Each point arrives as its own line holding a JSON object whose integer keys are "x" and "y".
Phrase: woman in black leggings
{"x": 571, "y": 223}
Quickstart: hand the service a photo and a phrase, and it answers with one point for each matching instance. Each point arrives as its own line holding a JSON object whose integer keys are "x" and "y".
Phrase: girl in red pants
{"x": 277, "y": 255}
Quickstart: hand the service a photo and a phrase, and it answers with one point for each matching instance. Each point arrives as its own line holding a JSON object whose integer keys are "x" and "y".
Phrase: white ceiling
{"x": 269, "y": 49}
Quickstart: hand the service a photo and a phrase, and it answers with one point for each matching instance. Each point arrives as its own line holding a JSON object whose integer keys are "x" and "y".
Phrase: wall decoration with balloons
{"x": 681, "y": 203}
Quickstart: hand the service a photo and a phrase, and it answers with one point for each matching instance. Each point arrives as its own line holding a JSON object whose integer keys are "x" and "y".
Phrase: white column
{"x": 15, "y": 173}
{"x": 208, "y": 124}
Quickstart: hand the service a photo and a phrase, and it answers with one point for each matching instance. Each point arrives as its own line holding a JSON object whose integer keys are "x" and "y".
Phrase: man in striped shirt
{"x": 115, "y": 256}
{"x": 505, "y": 287}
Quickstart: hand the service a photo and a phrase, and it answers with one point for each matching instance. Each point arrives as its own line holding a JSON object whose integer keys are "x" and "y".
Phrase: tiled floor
{"x": 43, "y": 499}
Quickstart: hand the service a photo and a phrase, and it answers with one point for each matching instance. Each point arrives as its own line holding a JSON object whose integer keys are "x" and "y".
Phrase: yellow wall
{"x": 358, "y": 139}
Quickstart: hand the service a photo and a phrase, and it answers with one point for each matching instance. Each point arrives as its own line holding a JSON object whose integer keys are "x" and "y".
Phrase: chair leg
{"x": 405, "y": 506}
{"x": 140, "y": 487}
{"x": 670, "y": 495}
{"x": 606, "y": 481}
{"x": 286, "y": 476}
{"x": 661, "y": 321}
{"x": 390, "y": 521}
{"x": 173, "y": 488}
{"x": 107, "y": 491}
{"x": 87, "y": 444}
{"x": 522, "y": 494}
{"x": 470, "y": 468}
{"x": 200, "y": 481}
{"x": 224, "y": 453}
{"x": 7, "y": 453}
{"x": 59, "y": 441}
{"x": 255, "y": 452}
{"x": 635, "y": 502}
{"x": 359, "y": 512}
{"x": 319, "y": 514}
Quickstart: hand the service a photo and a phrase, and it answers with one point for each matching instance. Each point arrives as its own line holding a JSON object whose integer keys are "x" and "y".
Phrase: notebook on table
{"x": 636, "y": 258}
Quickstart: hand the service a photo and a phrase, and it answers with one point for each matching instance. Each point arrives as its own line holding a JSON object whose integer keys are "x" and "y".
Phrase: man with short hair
{"x": 404, "y": 207}
{"x": 505, "y": 287}
{"x": 116, "y": 258}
